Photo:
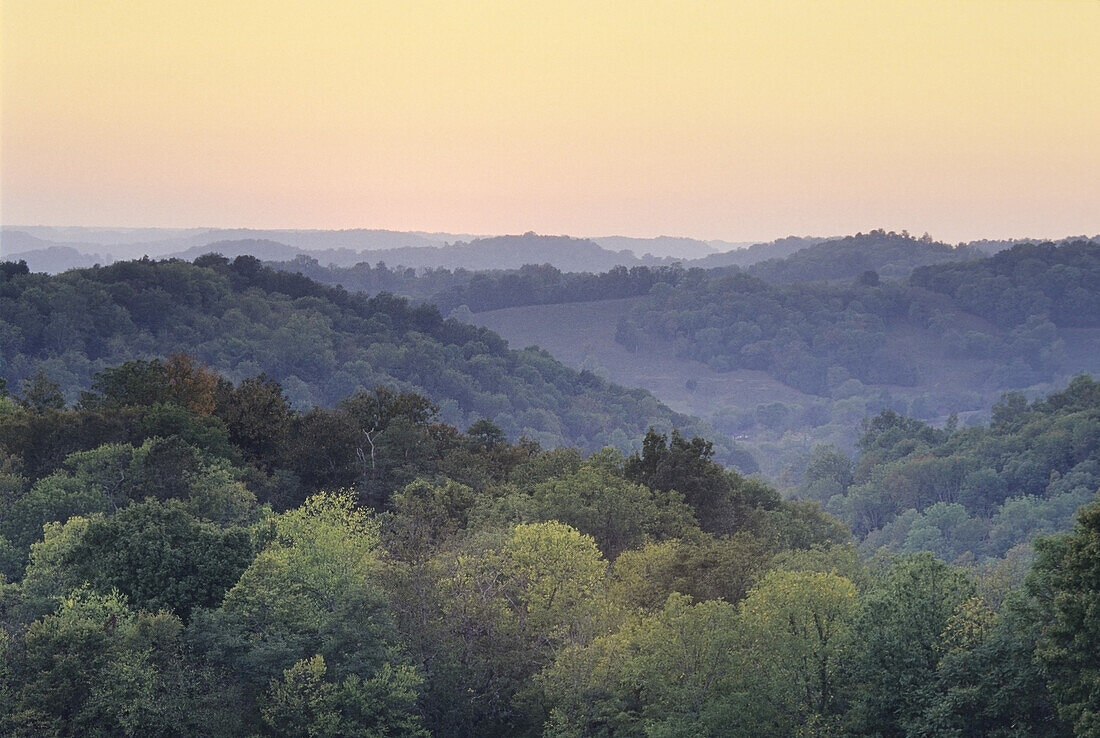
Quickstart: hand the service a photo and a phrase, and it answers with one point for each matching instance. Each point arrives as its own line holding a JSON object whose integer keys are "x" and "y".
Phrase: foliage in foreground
{"x": 175, "y": 568}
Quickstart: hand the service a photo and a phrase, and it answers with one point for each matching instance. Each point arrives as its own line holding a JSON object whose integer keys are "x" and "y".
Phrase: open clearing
{"x": 582, "y": 335}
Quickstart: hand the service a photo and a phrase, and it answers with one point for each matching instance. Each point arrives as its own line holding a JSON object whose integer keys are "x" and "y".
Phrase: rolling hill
{"x": 321, "y": 343}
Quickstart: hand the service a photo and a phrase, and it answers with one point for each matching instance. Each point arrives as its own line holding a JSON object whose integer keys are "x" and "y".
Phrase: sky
{"x": 729, "y": 120}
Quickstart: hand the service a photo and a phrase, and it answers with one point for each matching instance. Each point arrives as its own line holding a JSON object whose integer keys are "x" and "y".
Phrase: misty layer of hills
{"x": 779, "y": 346}
{"x": 54, "y": 250}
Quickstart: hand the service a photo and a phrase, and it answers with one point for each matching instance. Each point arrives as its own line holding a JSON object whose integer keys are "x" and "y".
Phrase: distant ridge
{"x": 261, "y": 248}
{"x": 890, "y": 255}
{"x": 56, "y": 249}
{"x": 664, "y": 246}
{"x": 497, "y": 252}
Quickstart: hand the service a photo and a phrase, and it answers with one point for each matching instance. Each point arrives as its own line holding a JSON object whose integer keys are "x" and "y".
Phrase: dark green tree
{"x": 723, "y": 501}
{"x": 40, "y": 393}
{"x": 156, "y": 554}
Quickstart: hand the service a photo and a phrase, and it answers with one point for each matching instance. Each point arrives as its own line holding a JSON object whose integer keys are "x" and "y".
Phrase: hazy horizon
{"x": 1053, "y": 236}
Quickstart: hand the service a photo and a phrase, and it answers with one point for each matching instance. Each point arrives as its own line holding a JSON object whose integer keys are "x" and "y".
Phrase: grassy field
{"x": 582, "y": 335}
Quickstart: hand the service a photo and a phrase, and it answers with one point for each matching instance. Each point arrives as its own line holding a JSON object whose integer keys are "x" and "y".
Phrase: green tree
{"x": 41, "y": 394}
{"x": 1066, "y": 583}
{"x": 290, "y": 603}
{"x": 97, "y": 668}
{"x": 703, "y": 567}
{"x": 257, "y": 416}
{"x": 303, "y": 704}
{"x": 425, "y": 515}
{"x": 508, "y": 602}
{"x": 829, "y": 473}
{"x": 552, "y": 576}
{"x": 676, "y": 672}
{"x": 987, "y": 681}
{"x": 797, "y": 630}
{"x": 133, "y": 383}
{"x": 156, "y": 554}
{"x": 54, "y": 498}
{"x": 314, "y": 589}
{"x": 620, "y": 515}
{"x": 723, "y": 501}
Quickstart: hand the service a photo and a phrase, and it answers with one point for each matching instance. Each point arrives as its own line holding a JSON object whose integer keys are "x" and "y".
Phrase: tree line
{"x": 478, "y": 291}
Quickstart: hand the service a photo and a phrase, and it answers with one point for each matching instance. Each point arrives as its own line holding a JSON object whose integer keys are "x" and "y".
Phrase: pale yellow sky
{"x": 731, "y": 120}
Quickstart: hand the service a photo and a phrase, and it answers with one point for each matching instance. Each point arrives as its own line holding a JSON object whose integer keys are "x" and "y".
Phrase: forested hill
{"x": 496, "y": 252}
{"x": 743, "y": 257}
{"x": 1062, "y": 282}
{"x": 1010, "y": 309}
{"x": 890, "y": 255}
{"x": 967, "y": 493}
{"x": 530, "y": 284}
{"x": 321, "y": 342}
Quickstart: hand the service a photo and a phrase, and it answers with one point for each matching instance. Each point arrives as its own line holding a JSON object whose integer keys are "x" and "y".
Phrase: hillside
{"x": 778, "y": 422}
{"x": 743, "y": 257}
{"x": 56, "y": 259}
{"x": 677, "y": 248}
{"x": 321, "y": 343}
{"x": 582, "y": 335}
{"x": 545, "y": 283}
{"x": 1060, "y": 281}
{"x": 971, "y": 493}
{"x": 888, "y": 255}
{"x": 818, "y": 336}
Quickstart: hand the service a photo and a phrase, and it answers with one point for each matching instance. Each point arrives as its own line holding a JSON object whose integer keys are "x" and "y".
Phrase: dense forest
{"x": 187, "y": 555}
{"x": 967, "y": 494}
{"x": 1011, "y": 286}
{"x": 321, "y": 344}
{"x": 817, "y": 336}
